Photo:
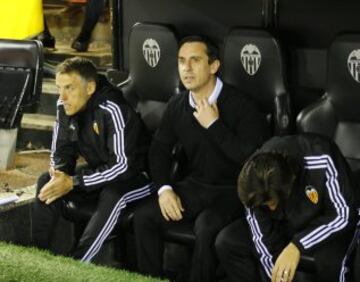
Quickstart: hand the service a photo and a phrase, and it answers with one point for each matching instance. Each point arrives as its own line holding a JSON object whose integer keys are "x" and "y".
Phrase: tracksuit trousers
{"x": 110, "y": 201}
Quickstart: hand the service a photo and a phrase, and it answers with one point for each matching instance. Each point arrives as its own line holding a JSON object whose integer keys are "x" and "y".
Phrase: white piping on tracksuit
{"x": 320, "y": 233}
{"x": 112, "y": 220}
{"x": 341, "y": 220}
{"x": 265, "y": 256}
{"x": 119, "y": 149}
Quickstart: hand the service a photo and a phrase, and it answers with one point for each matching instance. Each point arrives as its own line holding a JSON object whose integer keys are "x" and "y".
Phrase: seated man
{"x": 95, "y": 122}
{"x": 218, "y": 128}
{"x": 300, "y": 199}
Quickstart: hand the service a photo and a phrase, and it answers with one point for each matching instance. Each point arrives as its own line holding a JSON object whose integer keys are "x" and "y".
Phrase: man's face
{"x": 74, "y": 91}
{"x": 194, "y": 68}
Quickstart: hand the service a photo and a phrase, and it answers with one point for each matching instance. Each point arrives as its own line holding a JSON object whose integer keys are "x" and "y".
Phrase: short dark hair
{"x": 211, "y": 49}
{"x": 265, "y": 177}
{"x": 84, "y": 67}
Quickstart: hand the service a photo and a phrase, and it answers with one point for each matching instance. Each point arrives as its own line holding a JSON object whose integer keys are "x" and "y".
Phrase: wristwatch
{"x": 76, "y": 180}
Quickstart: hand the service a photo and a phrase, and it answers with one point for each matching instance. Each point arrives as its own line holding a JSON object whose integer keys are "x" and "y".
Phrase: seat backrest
{"x": 337, "y": 114}
{"x": 253, "y": 62}
{"x": 153, "y": 75}
{"x": 21, "y": 63}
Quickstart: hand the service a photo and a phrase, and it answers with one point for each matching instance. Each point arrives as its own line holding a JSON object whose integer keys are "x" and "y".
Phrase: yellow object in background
{"x": 21, "y": 19}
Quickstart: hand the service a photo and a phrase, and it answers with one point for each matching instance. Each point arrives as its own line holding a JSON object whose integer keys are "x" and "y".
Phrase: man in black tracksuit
{"x": 300, "y": 199}
{"x": 218, "y": 128}
{"x": 93, "y": 121}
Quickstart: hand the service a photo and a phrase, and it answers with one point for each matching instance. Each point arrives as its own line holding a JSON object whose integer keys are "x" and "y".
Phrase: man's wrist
{"x": 211, "y": 123}
{"x": 75, "y": 180}
{"x": 164, "y": 188}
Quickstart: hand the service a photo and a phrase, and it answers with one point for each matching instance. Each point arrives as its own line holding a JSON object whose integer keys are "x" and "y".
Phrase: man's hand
{"x": 286, "y": 264}
{"x": 59, "y": 185}
{"x": 170, "y": 205}
{"x": 205, "y": 113}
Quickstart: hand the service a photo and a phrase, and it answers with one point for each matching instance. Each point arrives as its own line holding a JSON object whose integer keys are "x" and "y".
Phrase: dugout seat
{"x": 153, "y": 76}
{"x": 337, "y": 114}
{"x": 21, "y": 65}
{"x": 253, "y": 62}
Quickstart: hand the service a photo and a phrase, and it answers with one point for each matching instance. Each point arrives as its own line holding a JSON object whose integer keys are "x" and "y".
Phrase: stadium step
{"x": 64, "y": 21}
{"x": 48, "y": 97}
{"x": 35, "y": 132}
{"x": 36, "y": 128}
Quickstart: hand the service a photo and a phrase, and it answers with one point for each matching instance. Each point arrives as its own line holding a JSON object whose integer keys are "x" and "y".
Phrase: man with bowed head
{"x": 300, "y": 199}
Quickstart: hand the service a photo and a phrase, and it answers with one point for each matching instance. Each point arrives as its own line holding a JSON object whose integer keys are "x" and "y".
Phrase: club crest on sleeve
{"x": 96, "y": 128}
{"x": 312, "y": 194}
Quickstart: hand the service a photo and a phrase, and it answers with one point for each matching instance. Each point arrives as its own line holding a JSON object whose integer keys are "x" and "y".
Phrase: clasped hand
{"x": 59, "y": 185}
{"x": 170, "y": 205}
{"x": 205, "y": 113}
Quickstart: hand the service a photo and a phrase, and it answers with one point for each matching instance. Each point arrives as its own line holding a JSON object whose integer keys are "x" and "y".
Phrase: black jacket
{"x": 108, "y": 134}
{"x": 322, "y": 203}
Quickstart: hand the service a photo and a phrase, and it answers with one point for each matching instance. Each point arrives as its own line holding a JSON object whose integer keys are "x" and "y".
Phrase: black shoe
{"x": 80, "y": 46}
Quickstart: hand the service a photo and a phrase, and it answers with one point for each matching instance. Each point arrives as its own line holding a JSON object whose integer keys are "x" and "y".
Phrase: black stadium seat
{"x": 21, "y": 63}
{"x": 337, "y": 113}
{"x": 153, "y": 75}
{"x": 253, "y": 62}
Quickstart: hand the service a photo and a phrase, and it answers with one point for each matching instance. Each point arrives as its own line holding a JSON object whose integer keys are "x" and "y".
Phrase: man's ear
{"x": 90, "y": 87}
{"x": 214, "y": 67}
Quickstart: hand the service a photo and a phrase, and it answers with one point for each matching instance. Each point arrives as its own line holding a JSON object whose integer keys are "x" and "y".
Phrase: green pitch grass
{"x": 23, "y": 264}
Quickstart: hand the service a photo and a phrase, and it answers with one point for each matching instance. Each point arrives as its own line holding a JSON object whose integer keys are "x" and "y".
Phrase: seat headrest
{"x": 253, "y": 63}
{"x": 343, "y": 76}
{"x": 20, "y": 53}
{"x": 24, "y": 55}
{"x": 153, "y": 62}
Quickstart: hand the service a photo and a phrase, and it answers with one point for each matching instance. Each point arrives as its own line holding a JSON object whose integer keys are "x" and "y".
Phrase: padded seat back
{"x": 253, "y": 63}
{"x": 21, "y": 63}
{"x": 337, "y": 114}
{"x": 153, "y": 74}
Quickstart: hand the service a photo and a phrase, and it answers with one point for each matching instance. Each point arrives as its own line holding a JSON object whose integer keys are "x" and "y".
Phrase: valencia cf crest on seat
{"x": 250, "y": 58}
{"x": 151, "y": 52}
{"x": 354, "y": 64}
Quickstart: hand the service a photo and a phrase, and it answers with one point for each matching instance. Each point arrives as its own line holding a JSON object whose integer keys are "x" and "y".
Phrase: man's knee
{"x": 234, "y": 237}
{"x": 222, "y": 244}
{"x": 145, "y": 213}
{"x": 208, "y": 224}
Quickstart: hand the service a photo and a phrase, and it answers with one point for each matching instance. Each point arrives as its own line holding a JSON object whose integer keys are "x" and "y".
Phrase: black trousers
{"x": 240, "y": 260}
{"x": 110, "y": 201}
{"x": 210, "y": 208}
{"x": 94, "y": 9}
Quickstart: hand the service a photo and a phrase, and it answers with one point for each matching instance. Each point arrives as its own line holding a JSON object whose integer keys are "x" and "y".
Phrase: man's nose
{"x": 187, "y": 66}
{"x": 62, "y": 95}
